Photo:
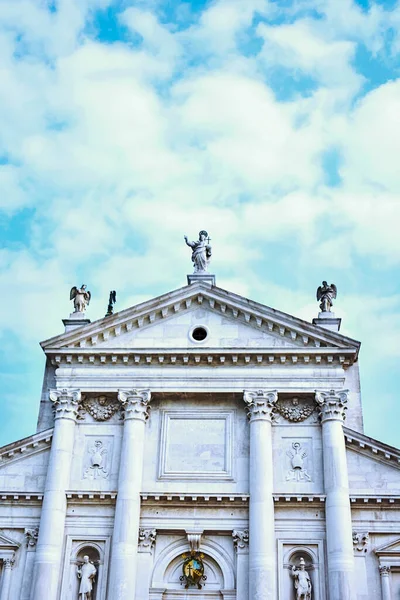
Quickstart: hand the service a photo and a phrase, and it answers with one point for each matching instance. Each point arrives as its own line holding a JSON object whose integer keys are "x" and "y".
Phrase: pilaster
{"x": 241, "y": 545}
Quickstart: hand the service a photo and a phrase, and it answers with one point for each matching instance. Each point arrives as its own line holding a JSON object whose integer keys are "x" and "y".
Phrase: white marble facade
{"x": 152, "y": 443}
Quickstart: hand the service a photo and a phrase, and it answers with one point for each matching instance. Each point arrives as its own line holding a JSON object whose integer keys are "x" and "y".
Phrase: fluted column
{"x": 6, "y": 578}
{"x": 385, "y": 582}
{"x": 337, "y": 505}
{"x": 123, "y": 566}
{"x": 52, "y": 520}
{"x": 262, "y": 551}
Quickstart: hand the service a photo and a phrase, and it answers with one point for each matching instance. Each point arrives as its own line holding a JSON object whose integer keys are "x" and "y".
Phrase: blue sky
{"x": 275, "y": 125}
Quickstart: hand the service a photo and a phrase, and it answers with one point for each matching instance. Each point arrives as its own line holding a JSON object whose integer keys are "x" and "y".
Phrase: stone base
{"x": 76, "y": 319}
{"x": 327, "y": 320}
{"x": 203, "y": 277}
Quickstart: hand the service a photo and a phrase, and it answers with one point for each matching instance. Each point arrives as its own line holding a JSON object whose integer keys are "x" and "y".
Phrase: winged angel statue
{"x": 325, "y": 294}
{"x": 81, "y": 298}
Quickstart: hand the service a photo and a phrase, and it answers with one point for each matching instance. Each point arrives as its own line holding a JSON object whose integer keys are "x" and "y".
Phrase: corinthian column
{"x": 123, "y": 564}
{"x": 337, "y": 506}
{"x": 262, "y": 569}
{"x": 385, "y": 581}
{"x": 52, "y": 520}
{"x": 6, "y": 578}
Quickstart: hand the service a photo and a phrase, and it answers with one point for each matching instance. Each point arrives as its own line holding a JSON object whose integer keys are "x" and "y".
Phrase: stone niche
{"x": 289, "y": 555}
{"x": 98, "y": 551}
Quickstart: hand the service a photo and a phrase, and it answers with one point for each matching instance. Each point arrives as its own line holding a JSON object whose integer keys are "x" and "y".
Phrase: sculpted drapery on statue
{"x": 81, "y": 298}
{"x": 325, "y": 295}
{"x": 86, "y": 573}
{"x": 302, "y": 581}
{"x": 201, "y": 252}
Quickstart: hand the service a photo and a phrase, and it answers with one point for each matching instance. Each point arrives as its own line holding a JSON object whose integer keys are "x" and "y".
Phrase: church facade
{"x": 200, "y": 445}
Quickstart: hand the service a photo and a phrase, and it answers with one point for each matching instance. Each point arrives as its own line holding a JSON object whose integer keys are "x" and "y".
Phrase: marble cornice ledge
{"x": 200, "y": 356}
{"x": 177, "y": 498}
{"x": 27, "y": 446}
{"x": 359, "y": 500}
{"x": 370, "y": 447}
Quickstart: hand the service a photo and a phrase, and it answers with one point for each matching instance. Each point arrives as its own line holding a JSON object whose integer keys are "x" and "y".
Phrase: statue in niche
{"x": 201, "y": 252}
{"x": 302, "y": 581}
{"x": 86, "y": 573}
{"x": 81, "y": 298}
{"x": 325, "y": 294}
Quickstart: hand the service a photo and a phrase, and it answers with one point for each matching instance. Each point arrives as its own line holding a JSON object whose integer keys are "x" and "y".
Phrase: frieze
{"x": 295, "y": 409}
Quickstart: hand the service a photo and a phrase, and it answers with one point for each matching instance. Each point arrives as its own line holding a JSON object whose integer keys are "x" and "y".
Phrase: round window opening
{"x": 199, "y": 334}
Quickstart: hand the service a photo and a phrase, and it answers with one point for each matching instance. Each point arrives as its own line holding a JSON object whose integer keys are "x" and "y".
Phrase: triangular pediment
{"x": 231, "y": 321}
{"x": 392, "y": 548}
{"x": 7, "y": 543}
{"x": 25, "y": 448}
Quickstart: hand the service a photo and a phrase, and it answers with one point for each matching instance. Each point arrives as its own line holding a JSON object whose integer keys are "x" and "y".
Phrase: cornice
{"x": 26, "y": 447}
{"x": 372, "y": 448}
{"x": 231, "y": 305}
{"x": 342, "y": 357}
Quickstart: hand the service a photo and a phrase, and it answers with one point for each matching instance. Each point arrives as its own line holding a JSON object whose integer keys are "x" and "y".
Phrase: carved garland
{"x": 295, "y": 409}
{"x": 100, "y": 408}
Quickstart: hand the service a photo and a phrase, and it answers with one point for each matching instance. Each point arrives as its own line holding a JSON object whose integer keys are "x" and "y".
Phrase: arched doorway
{"x": 218, "y": 570}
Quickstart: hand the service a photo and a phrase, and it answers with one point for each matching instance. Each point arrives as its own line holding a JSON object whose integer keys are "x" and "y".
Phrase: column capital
{"x": 31, "y": 536}
{"x": 65, "y": 403}
{"x": 135, "y": 403}
{"x": 147, "y": 539}
{"x": 384, "y": 570}
{"x": 8, "y": 562}
{"x": 241, "y": 540}
{"x": 260, "y": 404}
{"x": 332, "y": 404}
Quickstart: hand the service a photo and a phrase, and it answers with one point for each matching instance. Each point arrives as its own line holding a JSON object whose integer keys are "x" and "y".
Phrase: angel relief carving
{"x": 101, "y": 408}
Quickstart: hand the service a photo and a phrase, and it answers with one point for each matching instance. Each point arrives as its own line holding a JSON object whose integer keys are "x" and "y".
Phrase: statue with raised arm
{"x": 302, "y": 581}
{"x": 201, "y": 252}
{"x": 325, "y": 294}
{"x": 81, "y": 298}
{"x": 86, "y": 573}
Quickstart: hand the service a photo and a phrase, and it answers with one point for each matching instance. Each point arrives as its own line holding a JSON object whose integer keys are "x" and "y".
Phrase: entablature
{"x": 204, "y": 356}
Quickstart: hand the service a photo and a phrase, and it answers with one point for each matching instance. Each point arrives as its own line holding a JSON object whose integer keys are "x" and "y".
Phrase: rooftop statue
{"x": 111, "y": 301}
{"x": 81, "y": 298}
{"x": 201, "y": 252}
{"x": 302, "y": 581}
{"x": 325, "y": 294}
